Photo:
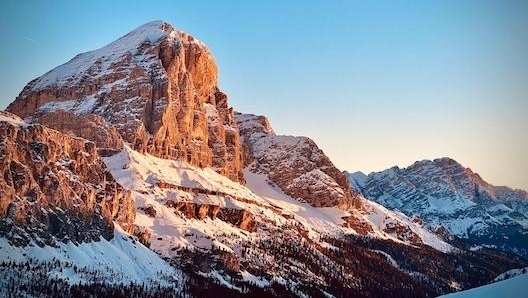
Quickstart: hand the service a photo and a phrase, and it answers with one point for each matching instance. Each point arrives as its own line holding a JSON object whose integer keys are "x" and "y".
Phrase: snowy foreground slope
{"x": 514, "y": 287}
{"x": 120, "y": 261}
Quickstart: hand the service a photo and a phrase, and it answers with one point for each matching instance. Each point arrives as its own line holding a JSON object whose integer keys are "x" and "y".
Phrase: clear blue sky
{"x": 374, "y": 83}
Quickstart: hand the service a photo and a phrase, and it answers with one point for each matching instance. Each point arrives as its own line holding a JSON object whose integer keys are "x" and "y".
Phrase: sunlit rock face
{"x": 54, "y": 187}
{"x": 155, "y": 88}
{"x": 295, "y": 164}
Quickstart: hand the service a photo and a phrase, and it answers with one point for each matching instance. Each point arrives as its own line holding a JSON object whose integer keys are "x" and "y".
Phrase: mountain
{"x": 155, "y": 88}
{"x": 446, "y": 195}
{"x": 126, "y": 173}
{"x": 295, "y": 164}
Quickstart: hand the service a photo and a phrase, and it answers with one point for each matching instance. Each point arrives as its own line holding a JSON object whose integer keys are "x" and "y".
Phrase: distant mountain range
{"x": 446, "y": 195}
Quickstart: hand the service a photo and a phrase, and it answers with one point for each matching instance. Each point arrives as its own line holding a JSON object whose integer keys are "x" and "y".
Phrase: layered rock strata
{"x": 54, "y": 187}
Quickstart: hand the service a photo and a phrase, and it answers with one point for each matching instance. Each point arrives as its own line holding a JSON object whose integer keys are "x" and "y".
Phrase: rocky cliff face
{"x": 445, "y": 194}
{"x": 156, "y": 88}
{"x": 55, "y": 187}
{"x": 295, "y": 164}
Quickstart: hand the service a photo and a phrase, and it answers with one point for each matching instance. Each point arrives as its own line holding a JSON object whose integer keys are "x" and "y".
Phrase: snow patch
{"x": 511, "y": 288}
{"x": 12, "y": 119}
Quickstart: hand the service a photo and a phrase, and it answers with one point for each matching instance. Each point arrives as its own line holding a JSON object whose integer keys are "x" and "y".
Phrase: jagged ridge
{"x": 444, "y": 193}
{"x": 295, "y": 164}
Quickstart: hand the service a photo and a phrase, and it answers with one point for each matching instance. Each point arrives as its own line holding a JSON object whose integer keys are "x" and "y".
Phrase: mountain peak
{"x": 155, "y": 88}
{"x": 151, "y": 32}
{"x": 81, "y": 64}
{"x": 445, "y": 160}
{"x": 155, "y": 25}
{"x": 441, "y": 162}
{"x": 357, "y": 180}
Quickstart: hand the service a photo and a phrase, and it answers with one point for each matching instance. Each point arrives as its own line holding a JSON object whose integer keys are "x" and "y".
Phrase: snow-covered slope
{"x": 12, "y": 119}
{"x": 120, "y": 261}
{"x": 511, "y": 273}
{"x": 443, "y": 193}
{"x": 160, "y": 185}
{"x": 328, "y": 219}
{"x": 514, "y": 287}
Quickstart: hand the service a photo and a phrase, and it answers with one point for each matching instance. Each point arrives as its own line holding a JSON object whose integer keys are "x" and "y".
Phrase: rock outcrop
{"x": 295, "y": 164}
{"x": 54, "y": 187}
{"x": 156, "y": 87}
{"x": 238, "y": 217}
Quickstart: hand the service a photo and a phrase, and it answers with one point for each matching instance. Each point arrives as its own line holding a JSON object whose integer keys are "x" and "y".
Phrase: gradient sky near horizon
{"x": 374, "y": 83}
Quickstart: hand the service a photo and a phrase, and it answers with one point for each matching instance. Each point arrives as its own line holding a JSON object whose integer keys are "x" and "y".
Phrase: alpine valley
{"x": 126, "y": 173}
